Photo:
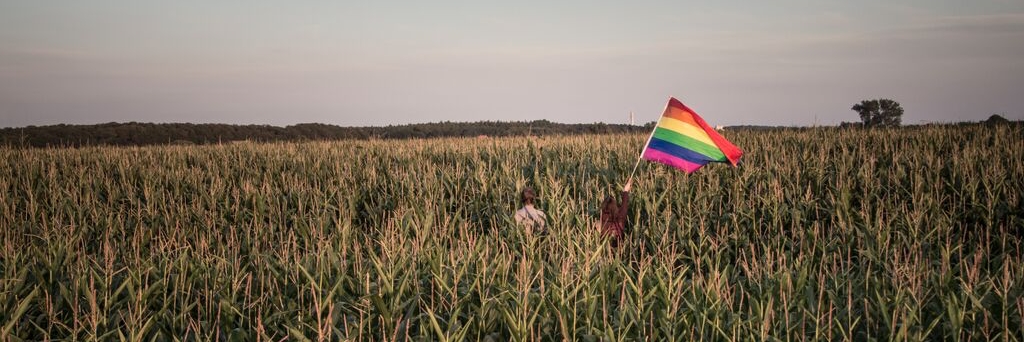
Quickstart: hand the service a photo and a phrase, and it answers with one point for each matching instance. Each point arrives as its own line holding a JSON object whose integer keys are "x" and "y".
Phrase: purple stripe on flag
{"x": 670, "y": 160}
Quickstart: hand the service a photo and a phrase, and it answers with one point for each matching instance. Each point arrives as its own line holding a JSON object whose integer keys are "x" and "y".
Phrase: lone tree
{"x": 879, "y": 113}
{"x": 996, "y": 119}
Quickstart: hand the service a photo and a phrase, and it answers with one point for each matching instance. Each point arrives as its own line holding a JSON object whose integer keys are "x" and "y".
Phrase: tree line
{"x": 873, "y": 113}
{"x": 138, "y": 134}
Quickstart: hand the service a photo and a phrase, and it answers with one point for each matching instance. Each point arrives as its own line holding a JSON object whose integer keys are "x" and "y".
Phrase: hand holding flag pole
{"x": 682, "y": 140}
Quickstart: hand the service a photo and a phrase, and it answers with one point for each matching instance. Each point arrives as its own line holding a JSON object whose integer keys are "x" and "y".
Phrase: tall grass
{"x": 821, "y": 234}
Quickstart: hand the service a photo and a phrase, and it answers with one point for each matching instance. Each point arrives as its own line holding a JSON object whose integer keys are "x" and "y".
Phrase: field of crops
{"x": 821, "y": 234}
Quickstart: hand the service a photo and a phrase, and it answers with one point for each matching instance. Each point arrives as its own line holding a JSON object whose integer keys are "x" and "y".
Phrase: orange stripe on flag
{"x": 682, "y": 114}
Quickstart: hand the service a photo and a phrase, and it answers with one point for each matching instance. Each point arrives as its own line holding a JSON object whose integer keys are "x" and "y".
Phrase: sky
{"x": 375, "y": 63}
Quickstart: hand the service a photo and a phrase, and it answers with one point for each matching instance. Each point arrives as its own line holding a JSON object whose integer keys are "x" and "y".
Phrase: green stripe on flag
{"x": 690, "y": 143}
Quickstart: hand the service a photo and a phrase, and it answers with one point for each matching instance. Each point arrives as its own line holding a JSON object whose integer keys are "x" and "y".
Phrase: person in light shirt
{"x": 532, "y": 219}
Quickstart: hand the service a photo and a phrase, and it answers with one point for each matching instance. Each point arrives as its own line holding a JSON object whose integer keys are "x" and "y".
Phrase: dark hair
{"x": 528, "y": 195}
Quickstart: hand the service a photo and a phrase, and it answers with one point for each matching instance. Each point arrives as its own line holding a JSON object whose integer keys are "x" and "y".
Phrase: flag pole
{"x": 642, "y": 149}
{"x": 641, "y": 156}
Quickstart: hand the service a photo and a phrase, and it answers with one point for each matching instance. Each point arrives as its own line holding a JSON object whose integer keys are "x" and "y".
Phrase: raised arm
{"x": 624, "y": 205}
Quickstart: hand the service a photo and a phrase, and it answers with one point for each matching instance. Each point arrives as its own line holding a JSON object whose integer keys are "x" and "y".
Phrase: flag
{"x": 683, "y": 140}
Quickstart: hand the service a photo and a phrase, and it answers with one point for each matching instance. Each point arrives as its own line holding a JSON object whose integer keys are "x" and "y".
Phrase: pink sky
{"x": 279, "y": 63}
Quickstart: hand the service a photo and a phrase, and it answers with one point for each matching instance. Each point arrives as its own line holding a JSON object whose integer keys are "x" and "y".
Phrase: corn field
{"x": 820, "y": 234}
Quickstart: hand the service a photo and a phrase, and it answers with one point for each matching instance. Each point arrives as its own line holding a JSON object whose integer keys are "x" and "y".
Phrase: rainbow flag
{"x": 684, "y": 141}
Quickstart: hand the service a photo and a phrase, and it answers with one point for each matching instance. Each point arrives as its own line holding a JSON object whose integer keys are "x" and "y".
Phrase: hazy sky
{"x": 384, "y": 62}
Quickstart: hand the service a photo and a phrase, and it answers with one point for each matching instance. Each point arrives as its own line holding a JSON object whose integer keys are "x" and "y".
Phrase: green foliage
{"x": 879, "y": 112}
{"x": 822, "y": 234}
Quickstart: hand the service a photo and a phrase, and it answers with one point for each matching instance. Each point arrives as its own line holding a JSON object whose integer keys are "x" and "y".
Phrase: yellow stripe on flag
{"x": 685, "y": 129}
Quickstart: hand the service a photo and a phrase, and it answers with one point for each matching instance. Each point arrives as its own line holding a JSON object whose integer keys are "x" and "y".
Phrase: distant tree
{"x": 879, "y": 113}
{"x": 996, "y": 119}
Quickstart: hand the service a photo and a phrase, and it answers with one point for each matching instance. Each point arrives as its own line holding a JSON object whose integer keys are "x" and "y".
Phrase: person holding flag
{"x": 682, "y": 140}
{"x": 613, "y": 215}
